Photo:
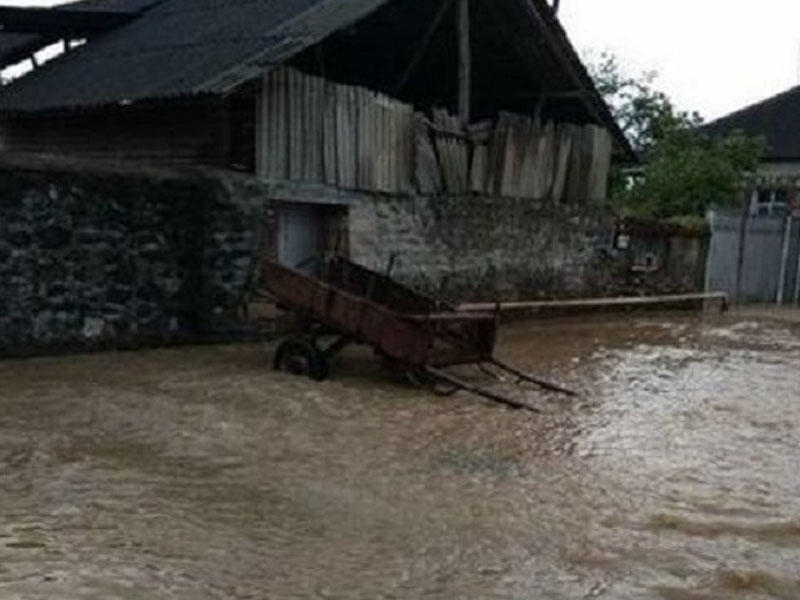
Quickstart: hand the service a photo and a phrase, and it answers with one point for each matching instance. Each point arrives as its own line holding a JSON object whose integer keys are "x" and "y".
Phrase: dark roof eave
{"x": 145, "y": 102}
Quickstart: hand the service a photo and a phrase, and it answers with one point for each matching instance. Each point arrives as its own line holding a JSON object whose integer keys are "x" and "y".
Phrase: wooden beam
{"x": 576, "y": 94}
{"x": 464, "y": 62}
{"x": 590, "y": 305}
{"x": 419, "y": 54}
{"x": 61, "y": 23}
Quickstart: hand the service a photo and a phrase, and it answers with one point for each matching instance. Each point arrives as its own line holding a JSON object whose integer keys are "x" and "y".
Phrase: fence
{"x": 755, "y": 259}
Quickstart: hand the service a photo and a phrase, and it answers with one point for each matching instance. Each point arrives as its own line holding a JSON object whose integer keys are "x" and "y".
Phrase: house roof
{"x": 180, "y": 48}
{"x": 777, "y": 119}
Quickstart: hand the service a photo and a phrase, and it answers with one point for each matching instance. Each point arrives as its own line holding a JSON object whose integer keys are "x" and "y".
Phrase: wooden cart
{"x": 350, "y": 304}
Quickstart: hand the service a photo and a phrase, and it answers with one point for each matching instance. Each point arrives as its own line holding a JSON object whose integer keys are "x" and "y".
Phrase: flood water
{"x": 198, "y": 473}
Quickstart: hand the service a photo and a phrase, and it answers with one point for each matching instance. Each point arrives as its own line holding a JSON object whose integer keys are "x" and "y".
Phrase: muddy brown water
{"x": 197, "y": 473}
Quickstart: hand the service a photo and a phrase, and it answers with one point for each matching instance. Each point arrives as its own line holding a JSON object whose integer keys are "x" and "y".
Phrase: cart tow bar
{"x": 489, "y": 395}
{"x": 547, "y": 385}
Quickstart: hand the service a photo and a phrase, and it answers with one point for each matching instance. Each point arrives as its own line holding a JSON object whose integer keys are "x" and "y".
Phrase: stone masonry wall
{"x": 105, "y": 257}
{"x": 478, "y": 248}
{"x": 662, "y": 263}
{"x": 111, "y": 258}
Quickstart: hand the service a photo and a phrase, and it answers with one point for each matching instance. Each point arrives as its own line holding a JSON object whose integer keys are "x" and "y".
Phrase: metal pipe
{"x": 797, "y": 278}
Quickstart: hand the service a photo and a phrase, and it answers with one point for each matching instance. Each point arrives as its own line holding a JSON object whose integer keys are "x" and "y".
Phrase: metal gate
{"x": 755, "y": 259}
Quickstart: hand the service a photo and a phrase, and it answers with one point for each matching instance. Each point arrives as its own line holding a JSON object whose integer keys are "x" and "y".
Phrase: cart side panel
{"x": 395, "y": 337}
{"x": 345, "y": 311}
{"x": 376, "y": 287}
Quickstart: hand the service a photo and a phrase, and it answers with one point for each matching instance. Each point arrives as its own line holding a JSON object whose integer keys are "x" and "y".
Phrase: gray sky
{"x": 714, "y": 56}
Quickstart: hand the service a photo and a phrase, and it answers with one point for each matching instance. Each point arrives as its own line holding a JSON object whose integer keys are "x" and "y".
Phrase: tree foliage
{"x": 684, "y": 170}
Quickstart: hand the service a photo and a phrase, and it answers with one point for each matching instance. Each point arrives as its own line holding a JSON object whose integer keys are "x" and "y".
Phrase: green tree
{"x": 684, "y": 171}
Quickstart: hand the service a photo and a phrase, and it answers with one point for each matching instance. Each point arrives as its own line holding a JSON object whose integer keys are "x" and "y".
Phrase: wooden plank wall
{"x": 316, "y": 131}
{"x": 527, "y": 159}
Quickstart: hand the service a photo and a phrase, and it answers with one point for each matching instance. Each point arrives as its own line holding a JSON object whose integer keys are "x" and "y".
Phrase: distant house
{"x": 777, "y": 119}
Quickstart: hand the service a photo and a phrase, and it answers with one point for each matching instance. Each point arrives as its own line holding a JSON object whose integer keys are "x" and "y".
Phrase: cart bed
{"x": 372, "y": 309}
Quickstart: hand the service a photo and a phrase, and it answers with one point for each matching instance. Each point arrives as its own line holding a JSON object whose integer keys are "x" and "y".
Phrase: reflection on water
{"x": 197, "y": 473}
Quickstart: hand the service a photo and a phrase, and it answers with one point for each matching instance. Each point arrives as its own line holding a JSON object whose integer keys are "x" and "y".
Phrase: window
{"x": 771, "y": 202}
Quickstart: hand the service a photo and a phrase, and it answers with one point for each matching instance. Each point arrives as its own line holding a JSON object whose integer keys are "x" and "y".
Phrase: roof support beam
{"x": 60, "y": 23}
{"x": 419, "y": 54}
{"x": 464, "y": 62}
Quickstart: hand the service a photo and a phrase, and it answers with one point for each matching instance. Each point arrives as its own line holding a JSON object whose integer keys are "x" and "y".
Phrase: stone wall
{"x": 107, "y": 257}
{"x": 471, "y": 248}
{"x": 114, "y": 257}
{"x": 660, "y": 259}
{"x": 479, "y": 248}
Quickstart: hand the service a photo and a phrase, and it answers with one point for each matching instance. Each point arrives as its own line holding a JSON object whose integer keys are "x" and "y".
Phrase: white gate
{"x": 755, "y": 259}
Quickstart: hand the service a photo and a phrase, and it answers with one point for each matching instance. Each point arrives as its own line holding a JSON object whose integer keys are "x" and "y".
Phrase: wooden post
{"x": 787, "y": 238}
{"x": 710, "y": 256}
{"x": 797, "y": 276}
{"x": 742, "y": 241}
{"x": 464, "y": 62}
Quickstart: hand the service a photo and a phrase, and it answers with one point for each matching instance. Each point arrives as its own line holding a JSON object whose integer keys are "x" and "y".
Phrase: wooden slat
{"x": 601, "y": 163}
{"x": 564, "y": 137}
{"x": 282, "y": 121}
{"x": 480, "y": 159}
{"x": 330, "y": 165}
{"x": 427, "y": 174}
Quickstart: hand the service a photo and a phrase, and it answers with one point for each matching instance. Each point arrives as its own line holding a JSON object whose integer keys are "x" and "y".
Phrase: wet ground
{"x": 197, "y": 473}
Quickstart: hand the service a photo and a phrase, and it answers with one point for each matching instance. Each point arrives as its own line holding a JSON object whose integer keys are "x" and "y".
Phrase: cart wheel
{"x": 300, "y": 357}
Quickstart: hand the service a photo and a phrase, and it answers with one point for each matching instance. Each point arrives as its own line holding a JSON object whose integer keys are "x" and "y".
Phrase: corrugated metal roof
{"x": 19, "y": 46}
{"x": 182, "y": 47}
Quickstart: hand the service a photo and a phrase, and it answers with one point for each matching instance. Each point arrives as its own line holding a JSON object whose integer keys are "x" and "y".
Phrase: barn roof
{"x": 777, "y": 119}
{"x": 15, "y": 47}
{"x": 180, "y": 48}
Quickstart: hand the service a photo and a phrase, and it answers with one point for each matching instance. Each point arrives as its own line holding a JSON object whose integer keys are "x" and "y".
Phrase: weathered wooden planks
{"x": 523, "y": 158}
{"x": 453, "y": 151}
{"x": 316, "y": 131}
